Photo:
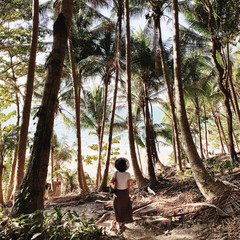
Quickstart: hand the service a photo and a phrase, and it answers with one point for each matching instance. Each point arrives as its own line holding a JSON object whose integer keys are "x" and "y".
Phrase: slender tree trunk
{"x": 31, "y": 192}
{"x": 148, "y": 141}
{"x": 236, "y": 142}
{"x": 223, "y": 84}
{"x": 81, "y": 176}
{"x": 176, "y": 147}
{"x": 139, "y": 158}
{"x": 223, "y": 133}
{"x": 137, "y": 172}
{"x": 52, "y": 163}
{"x": 117, "y": 68}
{"x": 99, "y": 170}
{"x": 28, "y": 98}
{"x": 199, "y": 127}
{"x": 1, "y": 186}
{"x": 205, "y": 127}
{"x": 14, "y": 162}
{"x": 208, "y": 187}
{"x": 218, "y": 128}
{"x": 232, "y": 90}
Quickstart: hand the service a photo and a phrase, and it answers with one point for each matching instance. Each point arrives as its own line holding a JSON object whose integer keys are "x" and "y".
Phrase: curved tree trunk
{"x": 28, "y": 98}
{"x": 223, "y": 85}
{"x": 208, "y": 187}
{"x": 141, "y": 181}
{"x": 31, "y": 192}
{"x": 81, "y": 176}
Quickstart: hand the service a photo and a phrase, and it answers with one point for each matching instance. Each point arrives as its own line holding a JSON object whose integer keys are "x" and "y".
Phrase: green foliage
{"x": 57, "y": 225}
{"x": 215, "y": 166}
{"x": 114, "y": 152}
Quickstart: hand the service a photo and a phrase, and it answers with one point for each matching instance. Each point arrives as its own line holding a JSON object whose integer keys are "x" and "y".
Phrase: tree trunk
{"x": 14, "y": 162}
{"x": 148, "y": 140}
{"x": 223, "y": 84}
{"x": 117, "y": 68}
{"x": 1, "y": 187}
{"x": 205, "y": 128}
{"x": 99, "y": 171}
{"x": 218, "y": 128}
{"x": 28, "y": 98}
{"x": 81, "y": 175}
{"x": 208, "y": 187}
{"x": 232, "y": 90}
{"x": 199, "y": 127}
{"x": 141, "y": 181}
{"x": 176, "y": 147}
{"x": 31, "y": 192}
{"x": 223, "y": 133}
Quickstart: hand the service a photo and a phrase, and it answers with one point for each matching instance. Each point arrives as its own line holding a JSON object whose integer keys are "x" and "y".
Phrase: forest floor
{"x": 173, "y": 210}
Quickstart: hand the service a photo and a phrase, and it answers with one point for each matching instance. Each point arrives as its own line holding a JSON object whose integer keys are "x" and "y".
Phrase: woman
{"x": 121, "y": 181}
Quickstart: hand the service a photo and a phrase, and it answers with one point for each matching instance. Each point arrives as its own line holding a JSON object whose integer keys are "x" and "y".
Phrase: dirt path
{"x": 176, "y": 211}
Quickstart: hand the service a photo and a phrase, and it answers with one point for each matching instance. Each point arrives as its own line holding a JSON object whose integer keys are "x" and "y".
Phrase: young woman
{"x": 121, "y": 181}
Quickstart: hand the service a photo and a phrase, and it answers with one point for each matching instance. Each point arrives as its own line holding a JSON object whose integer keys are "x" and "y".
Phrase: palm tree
{"x": 77, "y": 97}
{"x": 8, "y": 137}
{"x": 221, "y": 31}
{"x": 157, "y": 13}
{"x": 92, "y": 111}
{"x": 208, "y": 187}
{"x": 28, "y": 97}
{"x": 138, "y": 175}
{"x": 118, "y": 36}
{"x": 31, "y": 192}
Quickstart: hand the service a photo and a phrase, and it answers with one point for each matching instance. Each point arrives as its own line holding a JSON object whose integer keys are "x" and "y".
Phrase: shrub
{"x": 56, "y": 226}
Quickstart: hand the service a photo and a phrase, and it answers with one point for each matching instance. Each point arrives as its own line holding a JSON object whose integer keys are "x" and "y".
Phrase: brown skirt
{"x": 122, "y": 206}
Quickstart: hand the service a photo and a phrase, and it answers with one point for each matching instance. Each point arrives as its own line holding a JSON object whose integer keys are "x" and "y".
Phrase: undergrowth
{"x": 52, "y": 226}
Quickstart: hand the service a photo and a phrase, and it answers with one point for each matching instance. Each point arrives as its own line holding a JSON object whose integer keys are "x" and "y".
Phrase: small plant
{"x": 50, "y": 226}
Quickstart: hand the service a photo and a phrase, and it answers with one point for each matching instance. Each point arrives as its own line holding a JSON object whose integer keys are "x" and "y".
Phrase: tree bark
{"x": 208, "y": 187}
{"x": 117, "y": 68}
{"x": 31, "y": 192}
{"x": 28, "y": 98}
{"x": 176, "y": 145}
{"x": 99, "y": 168}
{"x": 141, "y": 181}
{"x": 81, "y": 175}
{"x": 223, "y": 84}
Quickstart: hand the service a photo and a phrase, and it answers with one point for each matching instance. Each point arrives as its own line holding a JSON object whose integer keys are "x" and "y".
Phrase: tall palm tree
{"x": 138, "y": 175}
{"x": 158, "y": 9}
{"x": 92, "y": 111}
{"x": 28, "y": 97}
{"x": 208, "y": 187}
{"x": 118, "y": 35}
{"x": 221, "y": 31}
{"x": 31, "y": 192}
{"x": 77, "y": 91}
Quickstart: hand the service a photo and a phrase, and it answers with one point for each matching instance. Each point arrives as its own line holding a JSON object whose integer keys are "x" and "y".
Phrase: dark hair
{"x": 121, "y": 164}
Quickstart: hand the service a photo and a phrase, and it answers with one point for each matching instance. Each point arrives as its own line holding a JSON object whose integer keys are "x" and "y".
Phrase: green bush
{"x": 56, "y": 226}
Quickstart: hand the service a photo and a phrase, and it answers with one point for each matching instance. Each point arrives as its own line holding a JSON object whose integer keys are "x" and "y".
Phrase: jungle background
{"x": 169, "y": 81}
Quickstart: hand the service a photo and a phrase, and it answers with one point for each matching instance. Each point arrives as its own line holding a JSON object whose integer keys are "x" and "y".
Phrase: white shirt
{"x": 122, "y": 179}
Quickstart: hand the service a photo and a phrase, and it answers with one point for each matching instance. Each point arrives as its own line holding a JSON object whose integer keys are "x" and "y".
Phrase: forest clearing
{"x": 82, "y": 63}
{"x": 174, "y": 210}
